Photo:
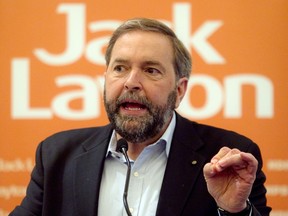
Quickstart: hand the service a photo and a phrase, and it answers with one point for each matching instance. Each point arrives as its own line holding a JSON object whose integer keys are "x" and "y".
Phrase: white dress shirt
{"x": 145, "y": 181}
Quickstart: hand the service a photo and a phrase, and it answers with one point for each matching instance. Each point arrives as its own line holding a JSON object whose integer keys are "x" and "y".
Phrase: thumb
{"x": 209, "y": 170}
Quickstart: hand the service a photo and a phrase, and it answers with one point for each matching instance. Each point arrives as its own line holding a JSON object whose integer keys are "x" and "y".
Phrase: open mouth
{"x": 133, "y": 106}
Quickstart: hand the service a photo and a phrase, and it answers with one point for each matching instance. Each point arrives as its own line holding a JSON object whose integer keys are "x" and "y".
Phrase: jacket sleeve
{"x": 33, "y": 201}
{"x": 258, "y": 194}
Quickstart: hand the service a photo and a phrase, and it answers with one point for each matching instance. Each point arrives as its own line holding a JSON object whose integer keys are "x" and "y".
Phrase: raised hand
{"x": 230, "y": 176}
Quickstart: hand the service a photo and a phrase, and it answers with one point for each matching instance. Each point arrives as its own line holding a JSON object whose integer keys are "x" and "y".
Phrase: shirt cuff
{"x": 245, "y": 212}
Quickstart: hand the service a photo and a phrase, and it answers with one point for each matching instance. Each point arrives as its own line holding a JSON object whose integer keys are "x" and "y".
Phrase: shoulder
{"x": 77, "y": 135}
{"x": 215, "y": 137}
{"x": 72, "y": 142}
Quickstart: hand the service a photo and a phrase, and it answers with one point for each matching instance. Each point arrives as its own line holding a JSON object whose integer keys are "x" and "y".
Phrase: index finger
{"x": 221, "y": 153}
{"x": 240, "y": 161}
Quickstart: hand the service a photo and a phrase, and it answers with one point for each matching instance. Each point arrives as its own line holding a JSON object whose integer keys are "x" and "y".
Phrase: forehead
{"x": 143, "y": 44}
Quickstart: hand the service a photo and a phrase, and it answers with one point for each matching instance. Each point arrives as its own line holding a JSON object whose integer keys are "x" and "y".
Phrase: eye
{"x": 153, "y": 71}
{"x": 119, "y": 68}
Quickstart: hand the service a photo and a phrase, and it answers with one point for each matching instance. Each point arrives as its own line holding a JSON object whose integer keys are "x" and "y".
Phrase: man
{"x": 179, "y": 167}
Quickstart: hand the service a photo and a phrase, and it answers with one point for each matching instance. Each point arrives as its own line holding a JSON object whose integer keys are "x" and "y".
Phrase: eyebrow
{"x": 120, "y": 60}
{"x": 155, "y": 63}
{"x": 144, "y": 63}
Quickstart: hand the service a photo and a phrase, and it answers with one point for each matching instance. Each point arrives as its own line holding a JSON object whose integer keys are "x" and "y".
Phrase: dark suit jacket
{"x": 67, "y": 175}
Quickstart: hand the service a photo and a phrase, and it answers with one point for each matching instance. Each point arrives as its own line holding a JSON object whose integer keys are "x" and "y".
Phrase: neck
{"x": 134, "y": 150}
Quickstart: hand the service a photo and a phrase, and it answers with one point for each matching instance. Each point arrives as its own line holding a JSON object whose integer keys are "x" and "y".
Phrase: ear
{"x": 181, "y": 90}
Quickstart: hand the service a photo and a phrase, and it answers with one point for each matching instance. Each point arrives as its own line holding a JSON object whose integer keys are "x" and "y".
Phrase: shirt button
{"x": 136, "y": 174}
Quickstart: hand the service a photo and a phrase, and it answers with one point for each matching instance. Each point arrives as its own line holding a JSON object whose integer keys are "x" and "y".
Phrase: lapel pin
{"x": 194, "y": 162}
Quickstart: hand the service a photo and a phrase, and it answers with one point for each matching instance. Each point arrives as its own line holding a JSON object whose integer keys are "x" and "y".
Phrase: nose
{"x": 133, "y": 81}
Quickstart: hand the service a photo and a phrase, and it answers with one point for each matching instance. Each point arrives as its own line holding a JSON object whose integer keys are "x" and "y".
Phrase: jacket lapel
{"x": 88, "y": 172}
{"x": 184, "y": 165}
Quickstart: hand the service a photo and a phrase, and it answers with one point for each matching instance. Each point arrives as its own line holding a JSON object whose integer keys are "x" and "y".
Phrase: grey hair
{"x": 182, "y": 59}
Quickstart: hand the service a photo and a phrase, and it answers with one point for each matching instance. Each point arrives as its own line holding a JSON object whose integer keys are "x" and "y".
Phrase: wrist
{"x": 244, "y": 212}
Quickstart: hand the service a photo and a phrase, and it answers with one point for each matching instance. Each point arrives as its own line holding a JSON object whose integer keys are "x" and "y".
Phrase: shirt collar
{"x": 167, "y": 137}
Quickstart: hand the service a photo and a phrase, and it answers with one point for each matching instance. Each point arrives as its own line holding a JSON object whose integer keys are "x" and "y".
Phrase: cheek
{"x": 113, "y": 88}
{"x": 158, "y": 95}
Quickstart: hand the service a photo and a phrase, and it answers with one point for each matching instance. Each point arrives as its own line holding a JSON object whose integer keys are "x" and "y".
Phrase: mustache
{"x": 132, "y": 96}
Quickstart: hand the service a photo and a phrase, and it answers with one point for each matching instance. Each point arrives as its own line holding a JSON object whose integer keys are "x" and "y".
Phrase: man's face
{"x": 141, "y": 91}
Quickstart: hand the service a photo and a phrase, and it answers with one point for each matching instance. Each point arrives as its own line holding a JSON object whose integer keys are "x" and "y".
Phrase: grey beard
{"x": 139, "y": 129}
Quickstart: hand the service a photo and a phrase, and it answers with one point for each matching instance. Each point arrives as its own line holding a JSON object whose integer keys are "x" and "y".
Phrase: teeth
{"x": 133, "y": 108}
